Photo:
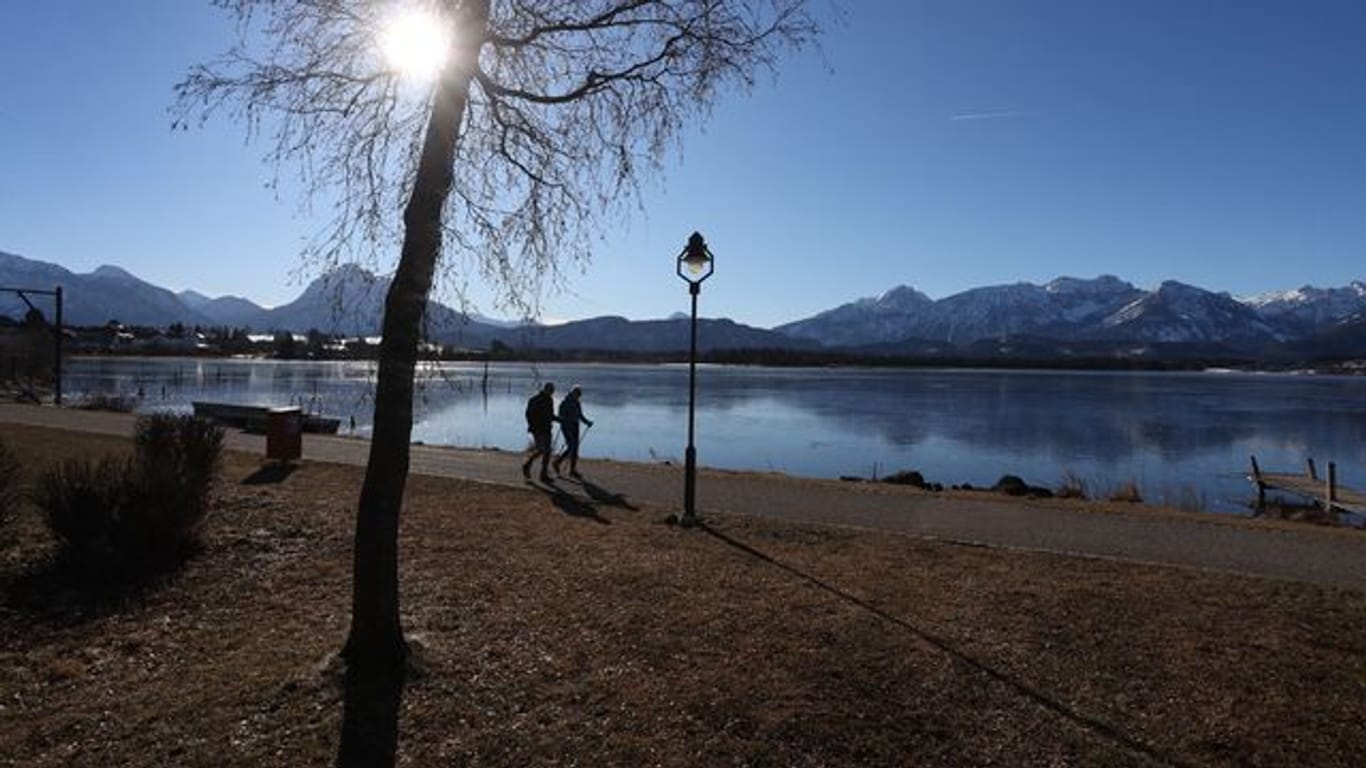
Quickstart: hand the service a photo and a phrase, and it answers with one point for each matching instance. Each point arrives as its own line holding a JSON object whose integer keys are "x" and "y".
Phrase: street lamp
{"x": 695, "y": 264}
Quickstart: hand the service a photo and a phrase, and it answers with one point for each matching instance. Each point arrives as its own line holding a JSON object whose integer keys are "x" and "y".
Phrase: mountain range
{"x": 1066, "y": 317}
{"x": 1104, "y": 316}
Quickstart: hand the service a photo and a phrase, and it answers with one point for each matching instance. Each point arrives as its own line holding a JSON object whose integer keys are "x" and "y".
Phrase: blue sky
{"x": 944, "y": 144}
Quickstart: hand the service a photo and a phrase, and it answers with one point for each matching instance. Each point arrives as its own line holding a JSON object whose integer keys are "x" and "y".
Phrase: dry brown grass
{"x": 555, "y": 632}
{"x": 1126, "y": 492}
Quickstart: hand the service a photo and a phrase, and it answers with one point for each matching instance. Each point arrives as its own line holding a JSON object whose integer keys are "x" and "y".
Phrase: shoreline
{"x": 1293, "y": 550}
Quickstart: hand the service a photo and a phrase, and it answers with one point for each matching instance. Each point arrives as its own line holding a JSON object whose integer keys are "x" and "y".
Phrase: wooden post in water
{"x": 1309, "y": 467}
{"x": 1332, "y": 484}
{"x": 1261, "y": 489}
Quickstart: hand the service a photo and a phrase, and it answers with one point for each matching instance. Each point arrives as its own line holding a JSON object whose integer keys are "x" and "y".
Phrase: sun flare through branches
{"x": 415, "y": 43}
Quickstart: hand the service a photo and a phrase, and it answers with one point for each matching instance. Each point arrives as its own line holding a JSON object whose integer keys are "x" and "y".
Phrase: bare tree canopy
{"x": 572, "y": 105}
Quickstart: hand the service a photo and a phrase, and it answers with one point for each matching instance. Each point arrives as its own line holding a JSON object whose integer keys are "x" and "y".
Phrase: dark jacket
{"x": 571, "y": 413}
{"x": 540, "y": 412}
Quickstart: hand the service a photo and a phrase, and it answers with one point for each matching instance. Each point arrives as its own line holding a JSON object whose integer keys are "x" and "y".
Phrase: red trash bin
{"x": 284, "y": 434}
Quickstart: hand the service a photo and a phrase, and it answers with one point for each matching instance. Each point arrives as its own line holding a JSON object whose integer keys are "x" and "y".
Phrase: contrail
{"x": 997, "y": 115}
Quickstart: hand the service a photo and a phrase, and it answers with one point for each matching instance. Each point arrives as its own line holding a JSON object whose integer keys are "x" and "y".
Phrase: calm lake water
{"x": 1182, "y": 437}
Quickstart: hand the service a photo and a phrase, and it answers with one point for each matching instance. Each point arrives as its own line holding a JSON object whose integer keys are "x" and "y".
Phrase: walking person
{"x": 540, "y": 422}
{"x": 571, "y": 413}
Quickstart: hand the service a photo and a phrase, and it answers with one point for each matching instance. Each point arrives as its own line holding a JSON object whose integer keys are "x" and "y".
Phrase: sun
{"x": 415, "y": 43}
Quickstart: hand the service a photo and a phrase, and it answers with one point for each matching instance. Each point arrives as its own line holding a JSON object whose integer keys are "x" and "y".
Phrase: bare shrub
{"x": 179, "y": 456}
{"x": 104, "y": 401}
{"x": 1072, "y": 487}
{"x": 1126, "y": 492}
{"x": 129, "y": 518}
{"x": 82, "y": 502}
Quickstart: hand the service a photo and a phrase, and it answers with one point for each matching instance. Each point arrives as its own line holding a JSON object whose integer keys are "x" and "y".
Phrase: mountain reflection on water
{"x": 1180, "y": 436}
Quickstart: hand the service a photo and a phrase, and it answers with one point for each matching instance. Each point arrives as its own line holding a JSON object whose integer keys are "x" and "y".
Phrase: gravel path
{"x": 1328, "y": 556}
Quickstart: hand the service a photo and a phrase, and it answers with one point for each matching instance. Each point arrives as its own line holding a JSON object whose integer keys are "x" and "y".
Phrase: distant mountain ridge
{"x": 1088, "y": 312}
{"x": 1068, "y": 316}
{"x": 94, "y": 298}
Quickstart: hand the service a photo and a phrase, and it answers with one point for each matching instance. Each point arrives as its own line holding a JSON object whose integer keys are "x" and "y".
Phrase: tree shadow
{"x": 1040, "y": 697}
{"x": 270, "y": 474}
{"x": 374, "y": 695}
{"x": 570, "y": 504}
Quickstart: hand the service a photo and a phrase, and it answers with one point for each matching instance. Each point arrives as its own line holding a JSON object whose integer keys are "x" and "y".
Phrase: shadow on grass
{"x": 370, "y": 715}
{"x": 603, "y": 496}
{"x": 570, "y": 504}
{"x": 269, "y": 474}
{"x": 1042, "y": 698}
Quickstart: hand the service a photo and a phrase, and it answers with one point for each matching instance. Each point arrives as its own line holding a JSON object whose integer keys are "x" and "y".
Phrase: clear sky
{"x": 944, "y": 144}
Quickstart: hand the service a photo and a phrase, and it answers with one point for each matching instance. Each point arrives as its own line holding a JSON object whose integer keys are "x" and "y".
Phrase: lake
{"x": 1184, "y": 438}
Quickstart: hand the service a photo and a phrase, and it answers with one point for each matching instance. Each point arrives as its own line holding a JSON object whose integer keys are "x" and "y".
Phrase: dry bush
{"x": 1126, "y": 491}
{"x": 129, "y": 518}
{"x": 104, "y": 401}
{"x": 82, "y": 501}
{"x": 1071, "y": 487}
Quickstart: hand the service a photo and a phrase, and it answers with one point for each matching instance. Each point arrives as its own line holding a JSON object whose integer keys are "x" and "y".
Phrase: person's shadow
{"x": 570, "y": 504}
{"x": 603, "y": 496}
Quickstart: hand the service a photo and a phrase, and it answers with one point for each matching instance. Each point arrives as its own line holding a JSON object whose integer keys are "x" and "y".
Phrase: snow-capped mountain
{"x": 1058, "y": 308}
{"x": 866, "y": 321}
{"x": 1087, "y": 310}
{"x": 1309, "y": 309}
{"x": 1180, "y": 313}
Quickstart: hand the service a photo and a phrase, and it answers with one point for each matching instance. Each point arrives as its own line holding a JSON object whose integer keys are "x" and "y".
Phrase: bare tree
{"x": 546, "y": 118}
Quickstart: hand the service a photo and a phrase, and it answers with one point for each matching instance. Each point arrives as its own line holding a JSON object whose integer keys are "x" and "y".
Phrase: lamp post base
{"x": 689, "y": 518}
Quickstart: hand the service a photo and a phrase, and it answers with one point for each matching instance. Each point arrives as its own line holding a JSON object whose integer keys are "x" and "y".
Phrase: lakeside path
{"x": 1328, "y": 556}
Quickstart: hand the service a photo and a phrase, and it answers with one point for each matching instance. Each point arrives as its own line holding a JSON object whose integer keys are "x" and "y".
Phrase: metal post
{"x": 1332, "y": 488}
{"x": 690, "y": 455}
{"x": 57, "y": 347}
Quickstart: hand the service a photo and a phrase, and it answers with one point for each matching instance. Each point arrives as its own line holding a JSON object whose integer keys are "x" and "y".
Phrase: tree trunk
{"x": 376, "y": 637}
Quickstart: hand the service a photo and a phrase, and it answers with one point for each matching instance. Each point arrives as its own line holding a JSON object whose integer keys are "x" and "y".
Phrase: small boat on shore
{"x": 252, "y": 418}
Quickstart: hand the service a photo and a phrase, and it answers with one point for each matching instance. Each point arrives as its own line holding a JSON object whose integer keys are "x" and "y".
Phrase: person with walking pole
{"x": 571, "y": 413}
{"x": 540, "y": 422}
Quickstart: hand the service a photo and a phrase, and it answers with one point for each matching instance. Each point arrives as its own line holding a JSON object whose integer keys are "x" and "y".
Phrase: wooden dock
{"x": 1325, "y": 491}
{"x": 252, "y": 418}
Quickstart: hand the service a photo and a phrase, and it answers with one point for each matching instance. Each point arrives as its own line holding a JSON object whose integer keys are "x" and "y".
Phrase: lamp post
{"x": 695, "y": 264}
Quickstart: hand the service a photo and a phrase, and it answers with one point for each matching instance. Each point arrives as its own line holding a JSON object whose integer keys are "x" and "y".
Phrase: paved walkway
{"x": 1333, "y": 557}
